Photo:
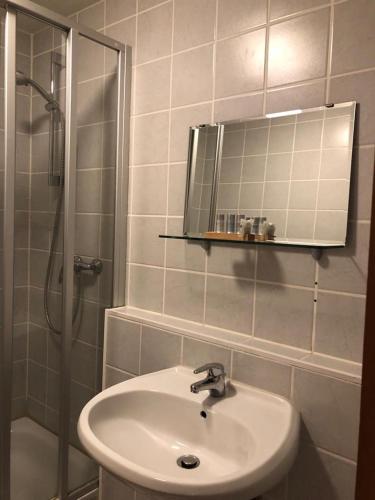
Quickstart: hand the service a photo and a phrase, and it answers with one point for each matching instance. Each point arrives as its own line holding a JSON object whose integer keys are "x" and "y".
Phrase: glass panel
{"x": 284, "y": 178}
{"x": 95, "y": 201}
{"x": 38, "y": 258}
{"x": 201, "y": 179}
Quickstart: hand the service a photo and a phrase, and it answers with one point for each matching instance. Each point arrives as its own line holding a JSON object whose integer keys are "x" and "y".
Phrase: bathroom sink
{"x": 241, "y": 445}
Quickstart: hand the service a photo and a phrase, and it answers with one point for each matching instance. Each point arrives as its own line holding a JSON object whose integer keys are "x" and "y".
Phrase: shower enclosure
{"x": 64, "y": 117}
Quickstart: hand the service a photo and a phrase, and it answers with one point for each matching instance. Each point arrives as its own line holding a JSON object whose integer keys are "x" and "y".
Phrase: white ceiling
{"x": 65, "y": 7}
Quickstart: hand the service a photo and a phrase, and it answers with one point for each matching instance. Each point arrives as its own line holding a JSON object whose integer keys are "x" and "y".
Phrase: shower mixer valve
{"x": 95, "y": 265}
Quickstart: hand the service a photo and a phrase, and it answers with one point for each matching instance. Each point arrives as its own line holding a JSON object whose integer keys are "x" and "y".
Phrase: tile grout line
{"x": 127, "y": 255}
{"x": 169, "y": 153}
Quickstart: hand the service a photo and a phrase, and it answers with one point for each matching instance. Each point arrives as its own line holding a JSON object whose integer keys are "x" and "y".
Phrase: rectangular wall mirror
{"x": 283, "y": 178}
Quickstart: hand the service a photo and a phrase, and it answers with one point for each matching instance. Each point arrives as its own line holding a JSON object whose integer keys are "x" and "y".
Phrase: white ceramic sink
{"x": 137, "y": 430}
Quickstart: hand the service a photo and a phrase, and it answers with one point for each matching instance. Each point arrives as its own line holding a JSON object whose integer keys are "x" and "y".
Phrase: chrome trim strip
{"x": 8, "y": 247}
{"x": 216, "y": 176}
{"x": 190, "y": 175}
{"x": 68, "y": 258}
{"x": 51, "y": 17}
{"x": 122, "y": 175}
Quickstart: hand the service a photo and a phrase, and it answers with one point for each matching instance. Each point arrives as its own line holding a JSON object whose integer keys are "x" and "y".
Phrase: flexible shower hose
{"x": 51, "y": 257}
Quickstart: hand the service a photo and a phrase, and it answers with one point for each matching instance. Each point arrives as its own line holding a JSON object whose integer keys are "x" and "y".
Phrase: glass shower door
{"x": 94, "y": 238}
{"x": 38, "y": 258}
{"x": 5, "y": 405}
{"x": 60, "y": 250}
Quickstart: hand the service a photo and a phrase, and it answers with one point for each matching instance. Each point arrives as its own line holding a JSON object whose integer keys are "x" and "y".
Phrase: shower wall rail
{"x": 73, "y": 30}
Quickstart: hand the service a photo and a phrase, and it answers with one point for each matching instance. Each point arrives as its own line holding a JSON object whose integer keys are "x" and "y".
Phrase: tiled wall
{"x": 328, "y": 402}
{"x": 199, "y": 61}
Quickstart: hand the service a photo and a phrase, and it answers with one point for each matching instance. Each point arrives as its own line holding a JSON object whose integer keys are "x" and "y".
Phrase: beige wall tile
{"x": 292, "y": 266}
{"x": 114, "y": 376}
{"x": 231, "y": 260}
{"x": 229, "y": 303}
{"x": 184, "y": 292}
{"x": 119, "y": 9}
{"x": 148, "y": 4}
{"x": 192, "y": 76}
{"x": 281, "y": 8}
{"x": 123, "y": 345}
{"x": 239, "y": 15}
{"x": 262, "y": 373}
{"x": 93, "y": 17}
{"x": 194, "y": 23}
{"x": 284, "y": 315}
{"x": 145, "y": 246}
{"x": 317, "y": 474}
{"x": 153, "y": 86}
{"x": 330, "y": 412}
{"x": 240, "y": 64}
{"x": 149, "y": 190}
{"x": 346, "y": 270}
{"x": 159, "y": 350}
{"x": 238, "y": 107}
{"x": 154, "y": 35}
{"x": 299, "y": 97}
{"x": 353, "y": 40}
{"x": 196, "y": 353}
{"x": 361, "y": 183}
{"x": 123, "y": 31}
{"x": 358, "y": 87}
{"x": 146, "y": 287}
{"x": 340, "y": 326}
{"x": 151, "y": 138}
{"x": 298, "y": 49}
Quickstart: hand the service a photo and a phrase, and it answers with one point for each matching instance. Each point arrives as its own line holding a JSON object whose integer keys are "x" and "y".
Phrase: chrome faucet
{"x": 214, "y": 382}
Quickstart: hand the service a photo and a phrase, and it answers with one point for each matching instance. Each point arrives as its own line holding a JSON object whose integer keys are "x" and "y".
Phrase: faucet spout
{"x": 214, "y": 382}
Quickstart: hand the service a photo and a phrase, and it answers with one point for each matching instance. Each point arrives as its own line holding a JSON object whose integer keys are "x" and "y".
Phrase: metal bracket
{"x": 206, "y": 245}
{"x": 317, "y": 253}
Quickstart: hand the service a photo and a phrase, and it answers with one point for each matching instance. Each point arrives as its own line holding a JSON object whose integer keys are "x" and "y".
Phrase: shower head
{"x": 22, "y": 79}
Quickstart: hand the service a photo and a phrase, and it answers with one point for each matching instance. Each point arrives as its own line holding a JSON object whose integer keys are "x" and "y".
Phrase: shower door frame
{"x": 73, "y": 30}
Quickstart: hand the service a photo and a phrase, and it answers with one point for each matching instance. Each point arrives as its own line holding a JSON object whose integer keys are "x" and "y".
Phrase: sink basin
{"x": 245, "y": 442}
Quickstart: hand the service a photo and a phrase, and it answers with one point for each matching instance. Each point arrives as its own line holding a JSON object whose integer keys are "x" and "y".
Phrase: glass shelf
{"x": 314, "y": 246}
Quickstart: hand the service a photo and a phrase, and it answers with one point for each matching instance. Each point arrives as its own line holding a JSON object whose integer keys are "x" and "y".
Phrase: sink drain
{"x": 188, "y": 461}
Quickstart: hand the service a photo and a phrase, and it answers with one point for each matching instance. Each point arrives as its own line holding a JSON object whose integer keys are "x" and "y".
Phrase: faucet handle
{"x": 213, "y": 369}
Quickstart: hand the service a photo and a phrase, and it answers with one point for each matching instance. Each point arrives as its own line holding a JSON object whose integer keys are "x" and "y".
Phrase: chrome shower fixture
{"x": 22, "y": 79}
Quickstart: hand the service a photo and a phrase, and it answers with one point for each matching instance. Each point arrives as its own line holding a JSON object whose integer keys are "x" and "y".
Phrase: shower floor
{"x": 34, "y": 462}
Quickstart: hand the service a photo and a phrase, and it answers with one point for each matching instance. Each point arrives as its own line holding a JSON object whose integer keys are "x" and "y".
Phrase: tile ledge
{"x": 293, "y": 356}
